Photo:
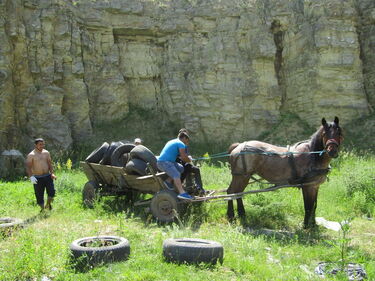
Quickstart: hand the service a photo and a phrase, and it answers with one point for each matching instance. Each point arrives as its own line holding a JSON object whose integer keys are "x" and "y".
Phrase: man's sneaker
{"x": 169, "y": 185}
{"x": 185, "y": 196}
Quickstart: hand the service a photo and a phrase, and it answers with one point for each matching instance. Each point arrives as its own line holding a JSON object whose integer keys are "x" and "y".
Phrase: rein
{"x": 225, "y": 154}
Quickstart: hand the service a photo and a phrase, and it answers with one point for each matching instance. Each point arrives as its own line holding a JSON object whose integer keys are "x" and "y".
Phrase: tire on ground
{"x": 106, "y": 160}
{"x": 136, "y": 166}
{"x": 119, "y": 156}
{"x": 89, "y": 193}
{"x": 165, "y": 206}
{"x": 97, "y": 154}
{"x": 100, "y": 250}
{"x": 143, "y": 153}
{"x": 7, "y": 224}
{"x": 193, "y": 251}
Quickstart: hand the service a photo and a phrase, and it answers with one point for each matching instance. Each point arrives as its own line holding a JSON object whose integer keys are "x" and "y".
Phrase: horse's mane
{"x": 316, "y": 143}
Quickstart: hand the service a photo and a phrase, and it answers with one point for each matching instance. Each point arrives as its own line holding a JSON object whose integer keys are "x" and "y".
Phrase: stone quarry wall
{"x": 223, "y": 69}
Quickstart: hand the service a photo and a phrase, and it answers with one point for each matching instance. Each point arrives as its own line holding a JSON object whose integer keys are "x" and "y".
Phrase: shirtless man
{"x": 40, "y": 171}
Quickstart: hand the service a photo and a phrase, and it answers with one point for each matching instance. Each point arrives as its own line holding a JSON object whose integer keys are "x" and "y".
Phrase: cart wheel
{"x": 165, "y": 206}
{"x": 89, "y": 193}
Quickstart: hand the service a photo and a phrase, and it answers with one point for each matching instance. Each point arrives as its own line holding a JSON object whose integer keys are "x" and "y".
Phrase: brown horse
{"x": 305, "y": 164}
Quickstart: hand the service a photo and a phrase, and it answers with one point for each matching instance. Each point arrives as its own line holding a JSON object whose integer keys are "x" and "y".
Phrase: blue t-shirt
{"x": 171, "y": 150}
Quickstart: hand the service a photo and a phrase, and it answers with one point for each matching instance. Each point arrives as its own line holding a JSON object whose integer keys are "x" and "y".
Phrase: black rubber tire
{"x": 106, "y": 160}
{"x": 90, "y": 193}
{"x": 92, "y": 255}
{"x": 165, "y": 206}
{"x": 118, "y": 159}
{"x": 136, "y": 167}
{"x": 143, "y": 153}
{"x": 97, "y": 154}
{"x": 6, "y": 224}
{"x": 193, "y": 251}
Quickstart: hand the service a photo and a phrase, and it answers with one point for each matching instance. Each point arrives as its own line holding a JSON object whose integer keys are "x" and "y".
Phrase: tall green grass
{"x": 269, "y": 245}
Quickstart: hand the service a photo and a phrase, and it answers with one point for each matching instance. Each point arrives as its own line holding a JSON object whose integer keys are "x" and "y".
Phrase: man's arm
{"x": 29, "y": 169}
{"x": 50, "y": 166}
{"x": 183, "y": 155}
{"x": 29, "y": 165}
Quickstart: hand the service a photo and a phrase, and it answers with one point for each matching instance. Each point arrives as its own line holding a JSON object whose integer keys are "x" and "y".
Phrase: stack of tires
{"x": 139, "y": 157}
{"x": 133, "y": 158}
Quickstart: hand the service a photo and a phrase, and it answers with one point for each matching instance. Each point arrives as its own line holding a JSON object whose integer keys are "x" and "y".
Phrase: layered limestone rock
{"x": 226, "y": 70}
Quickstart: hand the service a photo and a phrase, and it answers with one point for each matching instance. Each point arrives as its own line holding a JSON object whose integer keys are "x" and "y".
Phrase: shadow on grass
{"x": 9, "y": 231}
{"x": 192, "y": 216}
{"x": 124, "y": 204}
{"x": 313, "y": 236}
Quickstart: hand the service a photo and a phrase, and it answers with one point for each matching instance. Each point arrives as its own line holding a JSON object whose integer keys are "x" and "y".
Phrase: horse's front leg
{"x": 230, "y": 211}
{"x": 310, "y": 196}
{"x": 238, "y": 185}
{"x": 240, "y": 208}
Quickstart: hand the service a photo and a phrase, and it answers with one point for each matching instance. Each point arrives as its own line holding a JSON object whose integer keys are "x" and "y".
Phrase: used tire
{"x": 165, "y": 206}
{"x": 191, "y": 250}
{"x": 97, "y": 154}
{"x": 106, "y": 160}
{"x": 89, "y": 193}
{"x": 120, "y": 155}
{"x": 136, "y": 166}
{"x": 6, "y": 224}
{"x": 100, "y": 249}
{"x": 143, "y": 153}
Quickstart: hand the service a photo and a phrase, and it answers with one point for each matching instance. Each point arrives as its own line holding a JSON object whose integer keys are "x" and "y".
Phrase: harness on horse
{"x": 306, "y": 178}
{"x": 295, "y": 178}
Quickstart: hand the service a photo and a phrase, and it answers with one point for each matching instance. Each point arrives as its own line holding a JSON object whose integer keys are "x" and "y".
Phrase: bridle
{"x": 332, "y": 141}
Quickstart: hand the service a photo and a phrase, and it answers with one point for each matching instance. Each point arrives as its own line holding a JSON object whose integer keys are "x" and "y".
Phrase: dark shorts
{"x": 172, "y": 169}
{"x": 45, "y": 182}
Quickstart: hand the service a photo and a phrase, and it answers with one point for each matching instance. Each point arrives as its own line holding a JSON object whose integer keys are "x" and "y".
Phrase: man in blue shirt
{"x": 167, "y": 161}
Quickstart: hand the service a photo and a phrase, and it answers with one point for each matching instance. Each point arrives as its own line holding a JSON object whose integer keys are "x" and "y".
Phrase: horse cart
{"x": 110, "y": 180}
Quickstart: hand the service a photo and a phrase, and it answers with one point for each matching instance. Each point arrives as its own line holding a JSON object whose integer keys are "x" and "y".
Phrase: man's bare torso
{"x": 39, "y": 162}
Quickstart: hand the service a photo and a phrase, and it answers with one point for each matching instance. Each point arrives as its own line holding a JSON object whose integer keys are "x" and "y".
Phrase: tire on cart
{"x": 192, "y": 251}
{"x": 143, "y": 153}
{"x": 136, "y": 166}
{"x": 97, "y": 154}
{"x": 90, "y": 193}
{"x": 99, "y": 250}
{"x": 106, "y": 160}
{"x": 165, "y": 206}
{"x": 120, "y": 156}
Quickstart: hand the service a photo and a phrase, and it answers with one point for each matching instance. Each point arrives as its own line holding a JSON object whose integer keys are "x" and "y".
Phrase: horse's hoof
{"x": 231, "y": 219}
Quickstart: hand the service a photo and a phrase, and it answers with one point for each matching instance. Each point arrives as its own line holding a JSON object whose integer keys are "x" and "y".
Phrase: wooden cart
{"x": 110, "y": 180}
{"x": 164, "y": 205}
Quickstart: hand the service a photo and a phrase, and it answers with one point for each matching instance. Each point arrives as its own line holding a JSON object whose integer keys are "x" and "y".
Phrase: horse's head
{"x": 332, "y": 137}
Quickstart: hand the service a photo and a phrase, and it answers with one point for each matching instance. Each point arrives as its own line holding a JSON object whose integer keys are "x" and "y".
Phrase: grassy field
{"x": 285, "y": 252}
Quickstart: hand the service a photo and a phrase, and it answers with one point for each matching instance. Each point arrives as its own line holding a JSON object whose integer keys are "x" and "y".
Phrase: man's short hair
{"x": 38, "y": 140}
{"x": 137, "y": 140}
{"x": 183, "y": 134}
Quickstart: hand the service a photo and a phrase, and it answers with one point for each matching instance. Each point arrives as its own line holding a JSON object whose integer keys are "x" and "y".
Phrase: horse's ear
{"x": 336, "y": 121}
{"x": 324, "y": 122}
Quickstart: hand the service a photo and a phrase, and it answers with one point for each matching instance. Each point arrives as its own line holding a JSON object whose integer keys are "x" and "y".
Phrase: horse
{"x": 305, "y": 165}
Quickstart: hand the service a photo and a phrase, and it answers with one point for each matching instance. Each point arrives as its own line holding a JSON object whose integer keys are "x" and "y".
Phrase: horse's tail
{"x": 233, "y": 146}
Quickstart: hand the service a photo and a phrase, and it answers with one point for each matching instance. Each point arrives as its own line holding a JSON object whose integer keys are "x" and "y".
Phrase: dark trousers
{"x": 191, "y": 169}
{"x": 44, "y": 183}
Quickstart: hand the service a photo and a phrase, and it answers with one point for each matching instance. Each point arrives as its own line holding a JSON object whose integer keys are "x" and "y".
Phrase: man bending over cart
{"x": 167, "y": 161}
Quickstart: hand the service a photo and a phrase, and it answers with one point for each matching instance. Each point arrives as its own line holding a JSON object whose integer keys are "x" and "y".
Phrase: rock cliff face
{"x": 221, "y": 68}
